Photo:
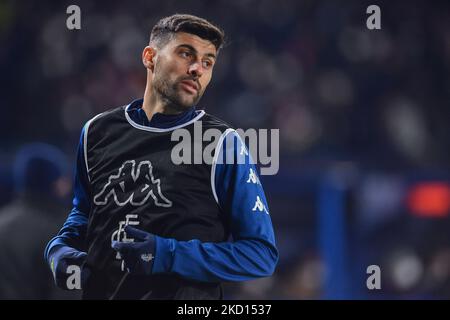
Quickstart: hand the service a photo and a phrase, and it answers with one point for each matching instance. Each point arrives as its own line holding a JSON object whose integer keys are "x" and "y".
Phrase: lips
{"x": 190, "y": 86}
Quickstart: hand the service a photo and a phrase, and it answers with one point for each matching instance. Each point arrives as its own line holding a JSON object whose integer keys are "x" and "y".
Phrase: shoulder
{"x": 108, "y": 115}
{"x": 212, "y": 121}
{"x": 105, "y": 119}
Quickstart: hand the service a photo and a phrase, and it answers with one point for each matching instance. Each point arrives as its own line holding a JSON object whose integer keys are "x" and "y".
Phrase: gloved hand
{"x": 60, "y": 259}
{"x": 138, "y": 255}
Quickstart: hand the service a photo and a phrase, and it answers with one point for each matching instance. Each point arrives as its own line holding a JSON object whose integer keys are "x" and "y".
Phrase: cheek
{"x": 167, "y": 74}
{"x": 167, "y": 67}
{"x": 205, "y": 82}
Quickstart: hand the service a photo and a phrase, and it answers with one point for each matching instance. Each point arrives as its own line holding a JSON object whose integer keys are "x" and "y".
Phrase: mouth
{"x": 189, "y": 86}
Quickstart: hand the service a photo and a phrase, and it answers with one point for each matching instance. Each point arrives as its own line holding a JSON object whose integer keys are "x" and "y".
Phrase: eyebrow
{"x": 188, "y": 46}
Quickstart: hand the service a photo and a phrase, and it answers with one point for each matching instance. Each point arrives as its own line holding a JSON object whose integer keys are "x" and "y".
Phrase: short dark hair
{"x": 163, "y": 31}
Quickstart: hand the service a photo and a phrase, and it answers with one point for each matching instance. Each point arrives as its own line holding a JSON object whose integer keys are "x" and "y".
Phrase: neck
{"x": 154, "y": 102}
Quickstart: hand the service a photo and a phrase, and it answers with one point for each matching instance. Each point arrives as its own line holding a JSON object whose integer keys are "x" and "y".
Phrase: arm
{"x": 68, "y": 246}
{"x": 253, "y": 252}
{"x": 73, "y": 232}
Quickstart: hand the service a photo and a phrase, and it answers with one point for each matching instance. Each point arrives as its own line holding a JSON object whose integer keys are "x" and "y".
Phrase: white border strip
{"x": 85, "y": 140}
{"x": 214, "y": 162}
{"x": 153, "y": 129}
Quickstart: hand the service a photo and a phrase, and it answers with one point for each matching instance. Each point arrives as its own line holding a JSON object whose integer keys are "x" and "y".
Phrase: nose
{"x": 195, "y": 70}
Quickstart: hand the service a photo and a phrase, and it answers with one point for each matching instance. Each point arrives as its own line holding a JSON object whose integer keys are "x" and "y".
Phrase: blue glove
{"x": 60, "y": 259}
{"x": 138, "y": 255}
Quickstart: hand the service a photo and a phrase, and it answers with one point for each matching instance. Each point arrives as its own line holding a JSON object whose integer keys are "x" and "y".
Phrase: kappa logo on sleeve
{"x": 134, "y": 185}
{"x": 259, "y": 205}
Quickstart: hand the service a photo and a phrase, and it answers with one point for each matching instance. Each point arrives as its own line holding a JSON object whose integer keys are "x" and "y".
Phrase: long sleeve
{"x": 252, "y": 253}
{"x": 73, "y": 232}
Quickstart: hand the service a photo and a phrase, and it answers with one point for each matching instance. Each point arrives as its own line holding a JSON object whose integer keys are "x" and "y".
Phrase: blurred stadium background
{"x": 364, "y": 132}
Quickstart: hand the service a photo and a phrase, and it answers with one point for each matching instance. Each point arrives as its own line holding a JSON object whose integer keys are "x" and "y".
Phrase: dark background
{"x": 363, "y": 118}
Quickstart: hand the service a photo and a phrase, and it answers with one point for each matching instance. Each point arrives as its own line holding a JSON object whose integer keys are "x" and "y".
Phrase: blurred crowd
{"x": 363, "y": 116}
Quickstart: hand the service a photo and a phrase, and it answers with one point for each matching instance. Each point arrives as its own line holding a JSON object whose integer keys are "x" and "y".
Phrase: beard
{"x": 170, "y": 90}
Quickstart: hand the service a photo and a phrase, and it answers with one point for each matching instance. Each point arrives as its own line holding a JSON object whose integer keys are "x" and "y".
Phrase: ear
{"x": 148, "y": 57}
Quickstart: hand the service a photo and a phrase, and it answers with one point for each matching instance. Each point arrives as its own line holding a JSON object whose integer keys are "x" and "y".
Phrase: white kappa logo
{"x": 132, "y": 184}
{"x": 147, "y": 257}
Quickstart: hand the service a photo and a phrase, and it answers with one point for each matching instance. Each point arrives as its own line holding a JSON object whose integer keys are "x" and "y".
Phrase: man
{"x": 143, "y": 227}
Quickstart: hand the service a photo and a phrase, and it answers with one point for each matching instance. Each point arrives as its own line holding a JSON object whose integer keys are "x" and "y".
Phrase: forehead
{"x": 201, "y": 45}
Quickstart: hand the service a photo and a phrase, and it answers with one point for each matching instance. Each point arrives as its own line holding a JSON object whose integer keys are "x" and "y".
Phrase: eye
{"x": 207, "y": 64}
{"x": 185, "y": 54}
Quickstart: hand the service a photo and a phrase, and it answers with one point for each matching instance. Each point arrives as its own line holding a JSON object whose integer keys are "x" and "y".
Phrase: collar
{"x": 160, "y": 122}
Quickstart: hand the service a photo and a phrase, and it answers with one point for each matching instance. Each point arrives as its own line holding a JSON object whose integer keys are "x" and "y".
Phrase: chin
{"x": 183, "y": 105}
{"x": 187, "y": 102}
